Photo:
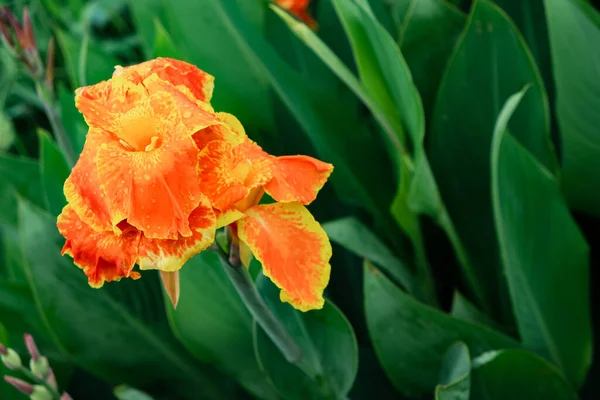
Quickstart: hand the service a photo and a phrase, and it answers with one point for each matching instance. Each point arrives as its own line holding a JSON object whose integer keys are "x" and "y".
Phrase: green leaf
{"x": 219, "y": 332}
{"x": 540, "y": 244}
{"x": 490, "y": 63}
{"x": 455, "y": 378}
{"x": 358, "y": 239}
{"x": 102, "y": 334}
{"x": 574, "y": 29}
{"x": 422, "y": 23}
{"x": 7, "y": 133}
{"x": 24, "y": 175}
{"x": 54, "y": 172}
{"x": 410, "y": 338}
{"x": 163, "y": 44}
{"x": 128, "y": 393}
{"x": 72, "y": 119}
{"x": 465, "y": 310}
{"x": 329, "y": 350}
{"x": 517, "y": 375}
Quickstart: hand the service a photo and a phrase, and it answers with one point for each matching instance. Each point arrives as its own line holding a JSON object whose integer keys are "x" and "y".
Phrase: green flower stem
{"x": 47, "y": 99}
{"x": 38, "y": 381}
{"x": 254, "y": 303}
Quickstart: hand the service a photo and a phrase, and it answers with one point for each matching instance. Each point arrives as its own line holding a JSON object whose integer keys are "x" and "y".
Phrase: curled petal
{"x": 230, "y": 130}
{"x": 100, "y": 103}
{"x": 228, "y": 217}
{"x": 228, "y": 173}
{"x": 297, "y": 178}
{"x": 178, "y": 73}
{"x": 293, "y": 249}
{"x": 102, "y": 255}
{"x": 157, "y": 189}
{"x": 170, "y": 255}
{"x": 82, "y": 188}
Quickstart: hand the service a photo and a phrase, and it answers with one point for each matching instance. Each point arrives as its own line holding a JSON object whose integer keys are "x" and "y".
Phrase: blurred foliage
{"x": 463, "y": 207}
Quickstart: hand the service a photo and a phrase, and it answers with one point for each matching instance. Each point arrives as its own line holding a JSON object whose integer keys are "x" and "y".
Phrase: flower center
{"x": 139, "y": 134}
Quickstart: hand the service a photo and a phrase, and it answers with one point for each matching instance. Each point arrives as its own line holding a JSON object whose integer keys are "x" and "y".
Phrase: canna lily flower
{"x": 299, "y": 9}
{"x": 161, "y": 171}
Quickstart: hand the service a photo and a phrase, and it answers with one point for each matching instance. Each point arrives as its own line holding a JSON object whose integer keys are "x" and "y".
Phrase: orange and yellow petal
{"x": 297, "y": 178}
{"x": 100, "y": 103}
{"x": 170, "y": 255}
{"x": 82, "y": 188}
{"x": 228, "y": 174}
{"x": 102, "y": 255}
{"x": 293, "y": 249}
{"x": 180, "y": 74}
{"x": 229, "y": 130}
{"x": 299, "y": 9}
{"x": 228, "y": 217}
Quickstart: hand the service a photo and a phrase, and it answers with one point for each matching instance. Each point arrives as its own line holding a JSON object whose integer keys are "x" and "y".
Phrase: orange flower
{"x": 161, "y": 171}
{"x": 298, "y": 8}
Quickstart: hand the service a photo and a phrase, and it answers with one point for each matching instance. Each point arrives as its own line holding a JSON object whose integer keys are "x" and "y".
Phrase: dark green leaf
{"x": 7, "y": 132}
{"x": 357, "y": 238}
{"x": 100, "y": 333}
{"x": 428, "y": 31}
{"x": 490, "y": 63}
{"x": 465, "y": 310}
{"x": 129, "y": 393}
{"x": 219, "y": 332}
{"x": 455, "y": 378}
{"x": 329, "y": 350}
{"x": 54, "y": 172}
{"x": 72, "y": 119}
{"x": 410, "y": 338}
{"x": 24, "y": 175}
{"x": 574, "y": 29}
{"x": 517, "y": 375}
{"x": 540, "y": 244}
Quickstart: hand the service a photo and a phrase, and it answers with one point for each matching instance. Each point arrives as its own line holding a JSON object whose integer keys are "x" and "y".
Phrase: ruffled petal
{"x": 297, "y": 178}
{"x": 101, "y": 102}
{"x": 102, "y": 255}
{"x": 82, "y": 188}
{"x": 228, "y": 174}
{"x": 180, "y": 74}
{"x": 154, "y": 190}
{"x": 170, "y": 255}
{"x": 230, "y": 130}
{"x": 293, "y": 249}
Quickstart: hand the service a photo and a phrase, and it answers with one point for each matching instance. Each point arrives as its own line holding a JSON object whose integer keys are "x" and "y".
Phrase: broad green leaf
{"x": 24, "y": 175}
{"x": 358, "y": 239}
{"x": 540, "y": 244}
{"x": 163, "y": 44}
{"x": 54, "y": 170}
{"x": 329, "y": 350}
{"x": 517, "y": 375}
{"x": 104, "y": 335}
{"x": 72, "y": 119}
{"x": 410, "y": 338}
{"x": 220, "y": 330}
{"x": 465, "y": 310}
{"x": 8, "y": 202}
{"x": 574, "y": 29}
{"x": 455, "y": 378}
{"x": 428, "y": 32}
{"x": 490, "y": 63}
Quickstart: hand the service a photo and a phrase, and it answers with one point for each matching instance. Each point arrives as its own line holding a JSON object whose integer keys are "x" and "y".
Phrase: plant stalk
{"x": 244, "y": 285}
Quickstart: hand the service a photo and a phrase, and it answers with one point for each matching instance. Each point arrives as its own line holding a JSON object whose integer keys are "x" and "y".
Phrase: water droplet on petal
{"x": 187, "y": 114}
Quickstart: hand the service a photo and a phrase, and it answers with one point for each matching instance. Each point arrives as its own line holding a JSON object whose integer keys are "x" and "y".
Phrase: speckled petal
{"x": 293, "y": 249}
{"x": 102, "y": 255}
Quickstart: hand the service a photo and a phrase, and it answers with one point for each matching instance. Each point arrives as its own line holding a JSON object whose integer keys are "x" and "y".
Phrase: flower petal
{"x": 229, "y": 173}
{"x": 170, "y": 255}
{"x": 293, "y": 249}
{"x": 102, "y": 255}
{"x": 154, "y": 190}
{"x": 297, "y": 178}
{"x": 228, "y": 217}
{"x": 82, "y": 188}
{"x": 230, "y": 130}
{"x": 179, "y": 73}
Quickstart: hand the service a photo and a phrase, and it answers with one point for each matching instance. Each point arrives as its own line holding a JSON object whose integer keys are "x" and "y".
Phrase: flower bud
{"x": 39, "y": 367}
{"x": 20, "y": 385}
{"x": 40, "y": 393}
{"x": 51, "y": 379}
{"x": 11, "y": 359}
{"x": 31, "y": 347}
{"x": 65, "y": 396}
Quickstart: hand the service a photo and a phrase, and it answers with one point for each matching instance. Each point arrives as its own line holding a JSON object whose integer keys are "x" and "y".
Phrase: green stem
{"x": 38, "y": 381}
{"x": 254, "y": 303}
{"x": 60, "y": 133}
